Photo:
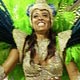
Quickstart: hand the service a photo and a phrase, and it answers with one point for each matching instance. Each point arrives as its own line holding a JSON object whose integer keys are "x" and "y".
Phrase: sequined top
{"x": 33, "y": 71}
{"x": 52, "y": 69}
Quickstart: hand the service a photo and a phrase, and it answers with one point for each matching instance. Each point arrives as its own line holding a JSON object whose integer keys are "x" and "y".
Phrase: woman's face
{"x": 41, "y": 21}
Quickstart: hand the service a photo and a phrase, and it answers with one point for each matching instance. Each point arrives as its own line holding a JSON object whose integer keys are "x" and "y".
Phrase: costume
{"x": 35, "y": 71}
{"x": 19, "y": 25}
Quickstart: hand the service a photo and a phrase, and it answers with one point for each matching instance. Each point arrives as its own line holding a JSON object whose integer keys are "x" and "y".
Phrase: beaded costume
{"x": 54, "y": 66}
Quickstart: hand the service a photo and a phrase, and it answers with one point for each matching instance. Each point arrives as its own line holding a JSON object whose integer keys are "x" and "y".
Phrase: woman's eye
{"x": 35, "y": 16}
{"x": 45, "y": 15}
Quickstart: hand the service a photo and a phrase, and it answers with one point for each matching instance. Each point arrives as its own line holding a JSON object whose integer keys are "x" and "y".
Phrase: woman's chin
{"x": 41, "y": 31}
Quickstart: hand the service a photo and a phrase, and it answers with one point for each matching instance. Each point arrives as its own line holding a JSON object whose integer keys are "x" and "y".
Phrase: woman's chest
{"x": 52, "y": 65}
{"x": 39, "y": 64}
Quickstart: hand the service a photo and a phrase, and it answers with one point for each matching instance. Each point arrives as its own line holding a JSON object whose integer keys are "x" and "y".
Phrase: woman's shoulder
{"x": 18, "y": 33}
{"x": 65, "y": 34}
{"x": 63, "y": 38}
{"x": 19, "y": 38}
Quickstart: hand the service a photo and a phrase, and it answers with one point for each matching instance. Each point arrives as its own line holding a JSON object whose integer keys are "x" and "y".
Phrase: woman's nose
{"x": 40, "y": 17}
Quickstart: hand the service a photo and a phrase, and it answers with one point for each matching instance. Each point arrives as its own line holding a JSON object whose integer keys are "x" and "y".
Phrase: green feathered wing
{"x": 17, "y": 10}
{"x": 64, "y": 20}
{"x": 73, "y": 53}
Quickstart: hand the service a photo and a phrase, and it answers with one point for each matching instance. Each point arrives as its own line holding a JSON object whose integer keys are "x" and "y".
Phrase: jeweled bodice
{"x": 34, "y": 71}
{"x": 53, "y": 68}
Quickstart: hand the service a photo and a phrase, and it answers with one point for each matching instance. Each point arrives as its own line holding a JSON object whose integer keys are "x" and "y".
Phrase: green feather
{"x": 16, "y": 73}
{"x": 68, "y": 56}
{"x": 73, "y": 53}
{"x": 4, "y": 51}
{"x": 63, "y": 21}
{"x": 17, "y": 10}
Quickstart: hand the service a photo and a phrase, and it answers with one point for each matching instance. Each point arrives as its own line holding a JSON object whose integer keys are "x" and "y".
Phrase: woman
{"x": 41, "y": 58}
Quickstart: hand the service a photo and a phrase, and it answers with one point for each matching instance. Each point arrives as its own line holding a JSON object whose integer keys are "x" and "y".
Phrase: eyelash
{"x": 35, "y": 16}
{"x": 45, "y": 15}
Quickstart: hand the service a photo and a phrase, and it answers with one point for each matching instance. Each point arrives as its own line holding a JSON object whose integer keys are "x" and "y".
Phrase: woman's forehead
{"x": 40, "y": 10}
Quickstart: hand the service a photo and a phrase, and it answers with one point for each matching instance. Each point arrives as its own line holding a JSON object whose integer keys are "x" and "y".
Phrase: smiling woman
{"x": 42, "y": 59}
{"x": 42, "y": 53}
{"x": 41, "y": 20}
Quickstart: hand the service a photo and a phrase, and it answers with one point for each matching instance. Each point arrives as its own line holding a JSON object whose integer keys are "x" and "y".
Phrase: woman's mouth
{"x": 40, "y": 24}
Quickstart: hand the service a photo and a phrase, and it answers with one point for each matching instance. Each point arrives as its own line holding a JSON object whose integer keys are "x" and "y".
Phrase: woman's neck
{"x": 41, "y": 36}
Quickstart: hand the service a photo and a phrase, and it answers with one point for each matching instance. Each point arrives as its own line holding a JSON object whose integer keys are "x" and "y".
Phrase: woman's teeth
{"x": 41, "y": 24}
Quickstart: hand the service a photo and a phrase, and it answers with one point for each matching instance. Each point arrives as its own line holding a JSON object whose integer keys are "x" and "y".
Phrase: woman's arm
{"x": 11, "y": 61}
{"x": 73, "y": 71}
